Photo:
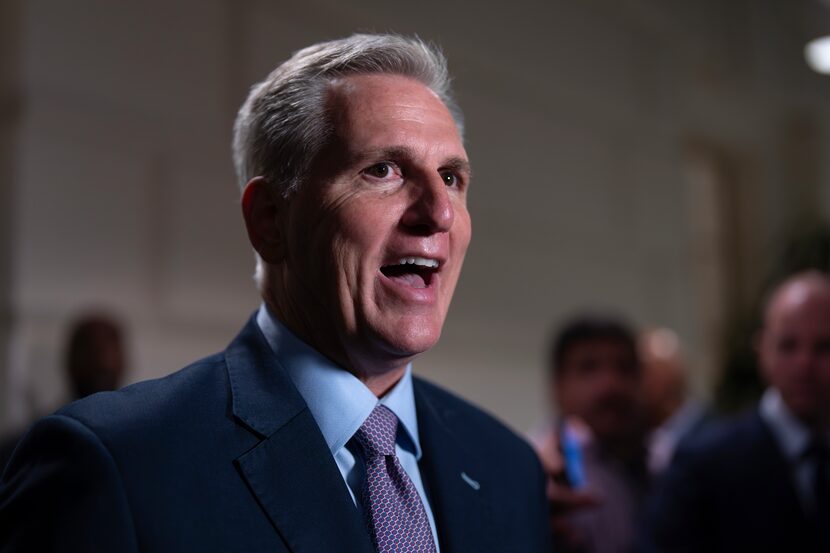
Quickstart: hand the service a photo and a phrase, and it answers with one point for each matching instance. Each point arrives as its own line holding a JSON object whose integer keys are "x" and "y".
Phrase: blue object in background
{"x": 572, "y": 453}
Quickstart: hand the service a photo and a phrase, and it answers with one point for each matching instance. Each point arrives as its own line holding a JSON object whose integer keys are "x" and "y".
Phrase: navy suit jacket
{"x": 731, "y": 489}
{"x": 224, "y": 455}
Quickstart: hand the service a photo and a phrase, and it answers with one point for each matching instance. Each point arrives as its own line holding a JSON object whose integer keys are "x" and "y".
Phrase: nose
{"x": 609, "y": 379}
{"x": 804, "y": 360}
{"x": 430, "y": 209}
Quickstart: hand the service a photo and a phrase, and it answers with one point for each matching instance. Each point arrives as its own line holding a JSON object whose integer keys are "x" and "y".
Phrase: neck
{"x": 382, "y": 383}
{"x": 378, "y": 375}
{"x": 667, "y": 410}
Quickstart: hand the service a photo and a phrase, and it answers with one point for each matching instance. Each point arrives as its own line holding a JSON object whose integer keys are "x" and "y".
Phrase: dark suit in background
{"x": 760, "y": 483}
{"x": 224, "y": 455}
{"x": 730, "y": 489}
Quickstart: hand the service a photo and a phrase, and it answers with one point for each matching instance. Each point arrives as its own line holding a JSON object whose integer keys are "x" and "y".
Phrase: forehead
{"x": 601, "y": 347}
{"x": 374, "y": 109}
{"x": 800, "y": 306}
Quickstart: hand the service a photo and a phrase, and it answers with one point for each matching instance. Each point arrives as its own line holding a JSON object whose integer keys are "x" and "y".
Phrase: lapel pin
{"x": 472, "y": 483}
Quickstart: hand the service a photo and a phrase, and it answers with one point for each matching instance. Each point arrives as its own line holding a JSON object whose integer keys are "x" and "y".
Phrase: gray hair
{"x": 283, "y": 124}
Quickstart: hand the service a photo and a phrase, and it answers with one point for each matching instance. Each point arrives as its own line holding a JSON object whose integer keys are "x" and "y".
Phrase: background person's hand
{"x": 564, "y": 501}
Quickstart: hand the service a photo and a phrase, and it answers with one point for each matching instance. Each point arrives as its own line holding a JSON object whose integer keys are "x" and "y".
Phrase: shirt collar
{"x": 401, "y": 401}
{"x": 790, "y": 433}
{"x": 338, "y": 401}
{"x": 682, "y": 420}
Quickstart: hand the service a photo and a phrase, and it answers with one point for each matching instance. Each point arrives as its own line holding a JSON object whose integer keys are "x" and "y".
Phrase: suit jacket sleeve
{"x": 62, "y": 491}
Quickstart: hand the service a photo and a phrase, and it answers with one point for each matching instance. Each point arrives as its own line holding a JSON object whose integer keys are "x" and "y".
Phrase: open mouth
{"x": 416, "y": 272}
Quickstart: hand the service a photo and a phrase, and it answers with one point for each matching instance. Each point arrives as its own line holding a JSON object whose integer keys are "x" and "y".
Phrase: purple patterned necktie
{"x": 394, "y": 513}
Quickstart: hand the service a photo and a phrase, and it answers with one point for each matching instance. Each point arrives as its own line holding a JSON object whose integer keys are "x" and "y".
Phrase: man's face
{"x": 795, "y": 352}
{"x": 377, "y": 234}
{"x": 663, "y": 375}
{"x": 598, "y": 383}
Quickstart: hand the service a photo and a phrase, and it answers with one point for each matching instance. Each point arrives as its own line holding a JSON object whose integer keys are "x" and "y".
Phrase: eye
{"x": 383, "y": 170}
{"x": 450, "y": 178}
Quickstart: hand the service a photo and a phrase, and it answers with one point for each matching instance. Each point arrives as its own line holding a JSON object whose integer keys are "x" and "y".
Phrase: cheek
{"x": 652, "y": 388}
{"x": 459, "y": 242}
{"x": 573, "y": 394}
{"x": 630, "y": 384}
{"x": 462, "y": 233}
{"x": 326, "y": 258}
{"x": 824, "y": 374}
{"x": 773, "y": 364}
{"x": 358, "y": 245}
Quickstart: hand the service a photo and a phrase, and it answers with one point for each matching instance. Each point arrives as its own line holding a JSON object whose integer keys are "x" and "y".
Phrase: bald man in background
{"x": 760, "y": 483}
{"x": 672, "y": 412}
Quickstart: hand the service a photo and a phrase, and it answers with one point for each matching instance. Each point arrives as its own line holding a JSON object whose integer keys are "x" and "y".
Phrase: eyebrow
{"x": 459, "y": 165}
{"x": 402, "y": 152}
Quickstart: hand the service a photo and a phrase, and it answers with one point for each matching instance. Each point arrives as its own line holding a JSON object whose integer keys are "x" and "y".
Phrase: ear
{"x": 261, "y": 208}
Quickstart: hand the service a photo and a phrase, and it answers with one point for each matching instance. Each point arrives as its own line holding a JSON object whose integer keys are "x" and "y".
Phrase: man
{"x": 760, "y": 483}
{"x": 595, "y": 452}
{"x": 95, "y": 362}
{"x": 95, "y": 355}
{"x": 672, "y": 413}
{"x": 309, "y": 433}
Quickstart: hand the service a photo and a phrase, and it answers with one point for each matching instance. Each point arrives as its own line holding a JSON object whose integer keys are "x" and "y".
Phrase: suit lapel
{"x": 457, "y": 490}
{"x": 773, "y": 461}
{"x": 298, "y": 485}
{"x": 290, "y": 471}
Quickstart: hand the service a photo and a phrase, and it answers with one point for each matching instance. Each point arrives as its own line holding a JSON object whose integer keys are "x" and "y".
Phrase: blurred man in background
{"x": 95, "y": 357}
{"x": 95, "y": 362}
{"x": 760, "y": 483}
{"x": 672, "y": 412}
{"x": 594, "y": 452}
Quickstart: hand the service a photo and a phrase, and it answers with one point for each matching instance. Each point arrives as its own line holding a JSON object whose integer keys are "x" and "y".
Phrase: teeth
{"x": 420, "y": 261}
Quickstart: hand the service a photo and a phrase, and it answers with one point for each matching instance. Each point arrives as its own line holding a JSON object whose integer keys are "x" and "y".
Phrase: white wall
{"x": 579, "y": 115}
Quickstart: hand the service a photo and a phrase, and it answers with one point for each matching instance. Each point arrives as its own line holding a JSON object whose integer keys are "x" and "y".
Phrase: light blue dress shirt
{"x": 340, "y": 403}
{"x": 794, "y": 439}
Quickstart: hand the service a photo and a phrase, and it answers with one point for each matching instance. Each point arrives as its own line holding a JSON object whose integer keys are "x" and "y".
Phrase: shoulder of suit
{"x": 483, "y": 429}
{"x": 174, "y": 399}
{"x": 727, "y": 442}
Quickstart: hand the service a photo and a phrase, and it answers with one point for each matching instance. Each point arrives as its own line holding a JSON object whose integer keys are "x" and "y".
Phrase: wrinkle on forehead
{"x": 417, "y": 104}
{"x": 405, "y": 104}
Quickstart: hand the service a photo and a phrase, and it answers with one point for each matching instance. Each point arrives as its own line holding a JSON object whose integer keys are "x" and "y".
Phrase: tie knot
{"x": 378, "y": 432}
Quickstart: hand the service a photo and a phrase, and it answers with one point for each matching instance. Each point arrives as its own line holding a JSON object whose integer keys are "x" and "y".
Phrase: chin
{"x": 410, "y": 338}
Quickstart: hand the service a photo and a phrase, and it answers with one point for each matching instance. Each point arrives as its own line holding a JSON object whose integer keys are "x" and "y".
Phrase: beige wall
{"x": 10, "y": 108}
{"x": 580, "y": 116}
